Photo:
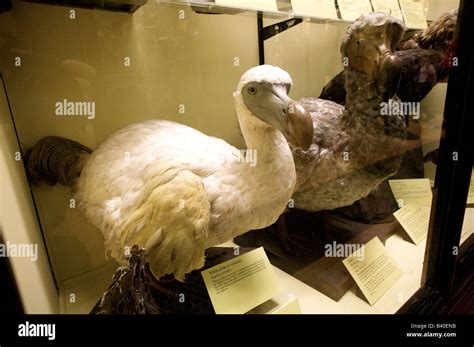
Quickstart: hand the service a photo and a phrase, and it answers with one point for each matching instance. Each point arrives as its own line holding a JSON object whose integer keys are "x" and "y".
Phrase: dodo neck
{"x": 363, "y": 100}
{"x": 274, "y": 157}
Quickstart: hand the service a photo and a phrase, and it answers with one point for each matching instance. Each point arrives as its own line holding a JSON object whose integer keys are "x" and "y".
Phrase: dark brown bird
{"x": 425, "y": 60}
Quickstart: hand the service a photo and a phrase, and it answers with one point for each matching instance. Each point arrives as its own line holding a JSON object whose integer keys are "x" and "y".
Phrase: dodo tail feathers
{"x": 55, "y": 160}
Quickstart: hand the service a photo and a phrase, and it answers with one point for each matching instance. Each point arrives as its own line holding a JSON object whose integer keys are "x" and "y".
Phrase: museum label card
{"x": 251, "y": 4}
{"x": 415, "y": 220}
{"x": 375, "y": 272}
{"x": 315, "y": 8}
{"x": 414, "y": 197}
{"x": 352, "y": 9}
{"x": 242, "y": 283}
{"x": 388, "y": 6}
{"x": 414, "y": 14}
{"x": 416, "y": 191}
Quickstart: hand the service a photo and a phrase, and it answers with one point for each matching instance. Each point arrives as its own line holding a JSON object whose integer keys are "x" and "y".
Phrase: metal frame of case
{"x": 452, "y": 176}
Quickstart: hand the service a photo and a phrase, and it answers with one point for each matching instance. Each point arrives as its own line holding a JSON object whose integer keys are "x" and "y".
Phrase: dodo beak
{"x": 271, "y": 103}
{"x": 389, "y": 68}
{"x": 389, "y": 73}
{"x": 298, "y": 128}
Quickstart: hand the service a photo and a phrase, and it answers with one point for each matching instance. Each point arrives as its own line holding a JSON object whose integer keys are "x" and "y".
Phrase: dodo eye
{"x": 252, "y": 90}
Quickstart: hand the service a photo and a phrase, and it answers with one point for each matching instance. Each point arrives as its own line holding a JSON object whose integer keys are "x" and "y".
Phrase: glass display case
{"x": 358, "y": 208}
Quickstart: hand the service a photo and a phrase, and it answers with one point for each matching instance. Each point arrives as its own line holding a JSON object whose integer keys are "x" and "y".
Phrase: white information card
{"x": 375, "y": 272}
{"x": 414, "y": 14}
{"x": 242, "y": 283}
{"x": 251, "y": 4}
{"x": 352, "y": 9}
{"x": 315, "y": 8}
{"x": 414, "y": 198}
{"x": 388, "y": 6}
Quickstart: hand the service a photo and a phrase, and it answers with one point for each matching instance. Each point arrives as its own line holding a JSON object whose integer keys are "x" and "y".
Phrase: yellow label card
{"x": 315, "y": 8}
{"x": 251, "y": 4}
{"x": 415, "y": 191}
{"x": 414, "y": 14}
{"x": 352, "y": 9}
{"x": 375, "y": 272}
{"x": 415, "y": 220}
{"x": 388, "y": 6}
{"x": 414, "y": 197}
{"x": 292, "y": 307}
{"x": 242, "y": 283}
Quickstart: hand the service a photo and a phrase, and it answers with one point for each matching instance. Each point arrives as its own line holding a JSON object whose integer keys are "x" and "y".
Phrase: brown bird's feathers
{"x": 55, "y": 160}
{"x": 438, "y": 36}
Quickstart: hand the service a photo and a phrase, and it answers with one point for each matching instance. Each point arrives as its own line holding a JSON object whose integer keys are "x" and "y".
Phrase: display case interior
{"x": 354, "y": 168}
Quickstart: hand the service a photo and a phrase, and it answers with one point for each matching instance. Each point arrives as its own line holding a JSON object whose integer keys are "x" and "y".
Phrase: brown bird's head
{"x": 369, "y": 44}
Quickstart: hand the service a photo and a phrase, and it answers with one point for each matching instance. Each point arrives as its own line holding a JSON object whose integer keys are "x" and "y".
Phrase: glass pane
{"x": 83, "y": 74}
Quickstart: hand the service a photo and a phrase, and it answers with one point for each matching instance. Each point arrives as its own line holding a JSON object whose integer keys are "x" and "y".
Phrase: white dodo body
{"x": 176, "y": 191}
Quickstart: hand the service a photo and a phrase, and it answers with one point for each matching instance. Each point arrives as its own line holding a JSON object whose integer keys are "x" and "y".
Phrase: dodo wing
{"x": 172, "y": 223}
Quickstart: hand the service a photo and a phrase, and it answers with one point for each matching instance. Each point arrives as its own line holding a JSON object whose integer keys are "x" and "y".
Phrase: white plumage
{"x": 175, "y": 191}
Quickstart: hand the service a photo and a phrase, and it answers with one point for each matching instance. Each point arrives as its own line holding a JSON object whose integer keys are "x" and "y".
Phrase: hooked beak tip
{"x": 299, "y": 126}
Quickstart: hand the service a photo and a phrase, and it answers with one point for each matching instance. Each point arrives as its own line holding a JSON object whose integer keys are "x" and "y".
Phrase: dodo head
{"x": 264, "y": 90}
{"x": 369, "y": 44}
